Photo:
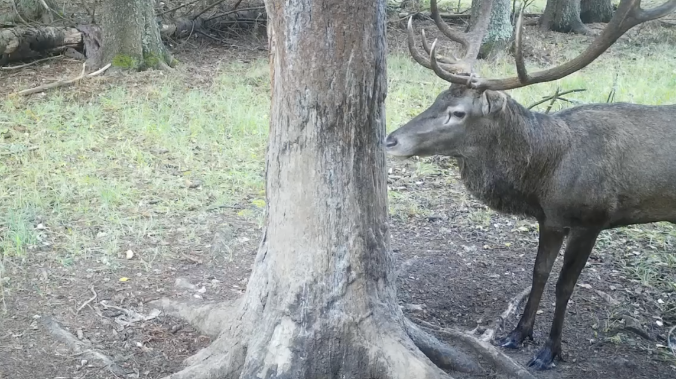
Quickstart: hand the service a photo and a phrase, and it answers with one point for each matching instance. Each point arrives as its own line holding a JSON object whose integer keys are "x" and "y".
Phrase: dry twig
{"x": 30, "y": 63}
{"x": 512, "y": 306}
{"x": 88, "y": 301}
{"x": 62, "y": 83}
{"x": 556, "y": 96}
{"x": 209, "y": 8}
{"x": 177, "y": 8}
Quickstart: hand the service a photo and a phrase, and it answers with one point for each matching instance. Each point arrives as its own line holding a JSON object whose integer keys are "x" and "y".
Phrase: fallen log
{"x": 23, "y": 43}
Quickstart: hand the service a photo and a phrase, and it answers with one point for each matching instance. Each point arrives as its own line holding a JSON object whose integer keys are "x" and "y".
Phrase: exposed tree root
{"x": 210, "y": 319}
{"x": 239, "y": 342}
{"x": 503, "y": 362}
{"x": 82, "y": 348}
{"x": 438, "y": 352}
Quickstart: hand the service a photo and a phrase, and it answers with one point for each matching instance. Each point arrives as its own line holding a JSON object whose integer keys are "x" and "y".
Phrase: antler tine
{"x": 443, "y": 74}
{"x": 451, "y": 65}
{"x": 518, "y": 53}
{"x": 428, "y": 50}
{"x": 411, "y": 46}
{"x": 445, "y": 29}
{"x": 627, "y": 15}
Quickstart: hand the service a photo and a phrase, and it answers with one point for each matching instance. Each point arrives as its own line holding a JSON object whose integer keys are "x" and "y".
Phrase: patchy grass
{"x": 125, "y": 165}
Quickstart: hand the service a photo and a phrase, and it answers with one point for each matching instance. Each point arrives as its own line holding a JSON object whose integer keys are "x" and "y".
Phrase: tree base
{"x": 376, "y": 345}
{"x": 576, "y": 27}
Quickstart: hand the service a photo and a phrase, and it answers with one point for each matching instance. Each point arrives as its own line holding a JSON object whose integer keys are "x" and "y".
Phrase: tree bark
{"x": 563, "y": 16}
{"x": 131, "y": 36}
{"x": 596, "y": 11}
{"x": 321, "y": 300}
{"x": 499, "y": 30}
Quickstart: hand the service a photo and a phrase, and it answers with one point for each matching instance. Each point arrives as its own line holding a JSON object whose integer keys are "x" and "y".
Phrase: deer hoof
{"x": 544, "y": 359}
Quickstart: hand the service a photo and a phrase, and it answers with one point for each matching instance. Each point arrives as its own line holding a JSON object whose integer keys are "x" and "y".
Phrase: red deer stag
{"x": 577, "y": 172}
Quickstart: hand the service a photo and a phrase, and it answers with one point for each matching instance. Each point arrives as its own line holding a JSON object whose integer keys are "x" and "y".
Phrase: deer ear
{"x": 493, "y": 102}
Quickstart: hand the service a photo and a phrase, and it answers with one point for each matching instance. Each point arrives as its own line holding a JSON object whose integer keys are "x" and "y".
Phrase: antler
{"x": 629, "y": 14}
{"x": 470, "y": 42}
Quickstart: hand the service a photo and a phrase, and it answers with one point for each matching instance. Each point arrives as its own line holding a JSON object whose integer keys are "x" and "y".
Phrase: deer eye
{"x": 458, "y": 114}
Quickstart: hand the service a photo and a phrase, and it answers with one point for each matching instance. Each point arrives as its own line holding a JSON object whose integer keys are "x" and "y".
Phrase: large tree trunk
{"x": 131, "y": 36}
{"x": 321, "y": 300}
{"x": 499, "y": 30}
{"x": 596, "y": 11}
{"x": 563, "y": 16}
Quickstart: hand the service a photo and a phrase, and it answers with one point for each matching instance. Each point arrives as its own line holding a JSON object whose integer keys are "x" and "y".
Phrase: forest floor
{"x": 124, "y": 189}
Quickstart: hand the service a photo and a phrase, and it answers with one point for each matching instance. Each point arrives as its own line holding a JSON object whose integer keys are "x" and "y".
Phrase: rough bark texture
{"x": 563, "y": 16}
{"x": 131, "y": 36}
{"x": 499, "y": 30}
{"x": 27, "y": 42}
{"x": 596, "y": 11}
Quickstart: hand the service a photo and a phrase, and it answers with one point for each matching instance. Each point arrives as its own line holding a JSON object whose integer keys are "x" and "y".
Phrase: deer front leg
{"x": 549, "y": 244}
{"x": 580, "y": 244}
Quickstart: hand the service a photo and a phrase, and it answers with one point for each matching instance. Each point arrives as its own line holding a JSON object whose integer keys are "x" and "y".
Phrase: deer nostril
{"x": 391, "y": 142}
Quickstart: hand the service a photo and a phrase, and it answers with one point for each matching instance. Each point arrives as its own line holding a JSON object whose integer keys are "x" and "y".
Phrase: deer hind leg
{"x": 550, "y": 241}
{"x": 579, "y": 247}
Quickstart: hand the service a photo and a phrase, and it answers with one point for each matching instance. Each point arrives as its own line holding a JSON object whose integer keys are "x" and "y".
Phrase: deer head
{"x": 472, "y": 103}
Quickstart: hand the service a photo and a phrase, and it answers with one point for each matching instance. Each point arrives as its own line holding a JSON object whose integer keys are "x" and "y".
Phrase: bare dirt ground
{"x": 459, "y": 265}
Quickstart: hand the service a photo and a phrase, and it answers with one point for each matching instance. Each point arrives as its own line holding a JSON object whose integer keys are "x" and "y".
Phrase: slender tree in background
{"x": 131, "y": 36}
{"x": 499, "y": 30}
{"x": 563, "y": 16}
{"x": 596, "y": 11}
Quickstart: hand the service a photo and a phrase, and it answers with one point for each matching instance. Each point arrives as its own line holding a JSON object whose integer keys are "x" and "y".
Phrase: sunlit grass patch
{"x": 121, "y": 166}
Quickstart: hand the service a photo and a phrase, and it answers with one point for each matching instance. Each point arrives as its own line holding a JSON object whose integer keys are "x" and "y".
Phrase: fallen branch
{"x": 234, "y": 11}
{"x": 128, "y": 316}
{"x": 83, "y": 348}
{"x": 27, "y": 42}
{"x": 88, "y": 301}
{"x": 209, "y": 8}
{"x": 177, "y": 8}
{"x": 30, "y": 64}
{"x": 512, "y": 306}
{"x": 556, "y": 96}
{"x": 62, "y": 83}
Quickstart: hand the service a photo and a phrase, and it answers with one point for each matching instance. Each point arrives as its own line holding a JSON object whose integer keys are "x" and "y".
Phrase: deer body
{"x": 577, "y": 172}
{"x": 598, "y": 166}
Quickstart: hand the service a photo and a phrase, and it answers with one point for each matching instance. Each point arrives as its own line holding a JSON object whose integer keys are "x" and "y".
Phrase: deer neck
{"x": 509, "y": 166}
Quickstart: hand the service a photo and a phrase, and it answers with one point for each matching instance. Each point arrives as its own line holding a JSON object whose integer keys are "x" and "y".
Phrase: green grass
{"x": 115, "y": 167}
